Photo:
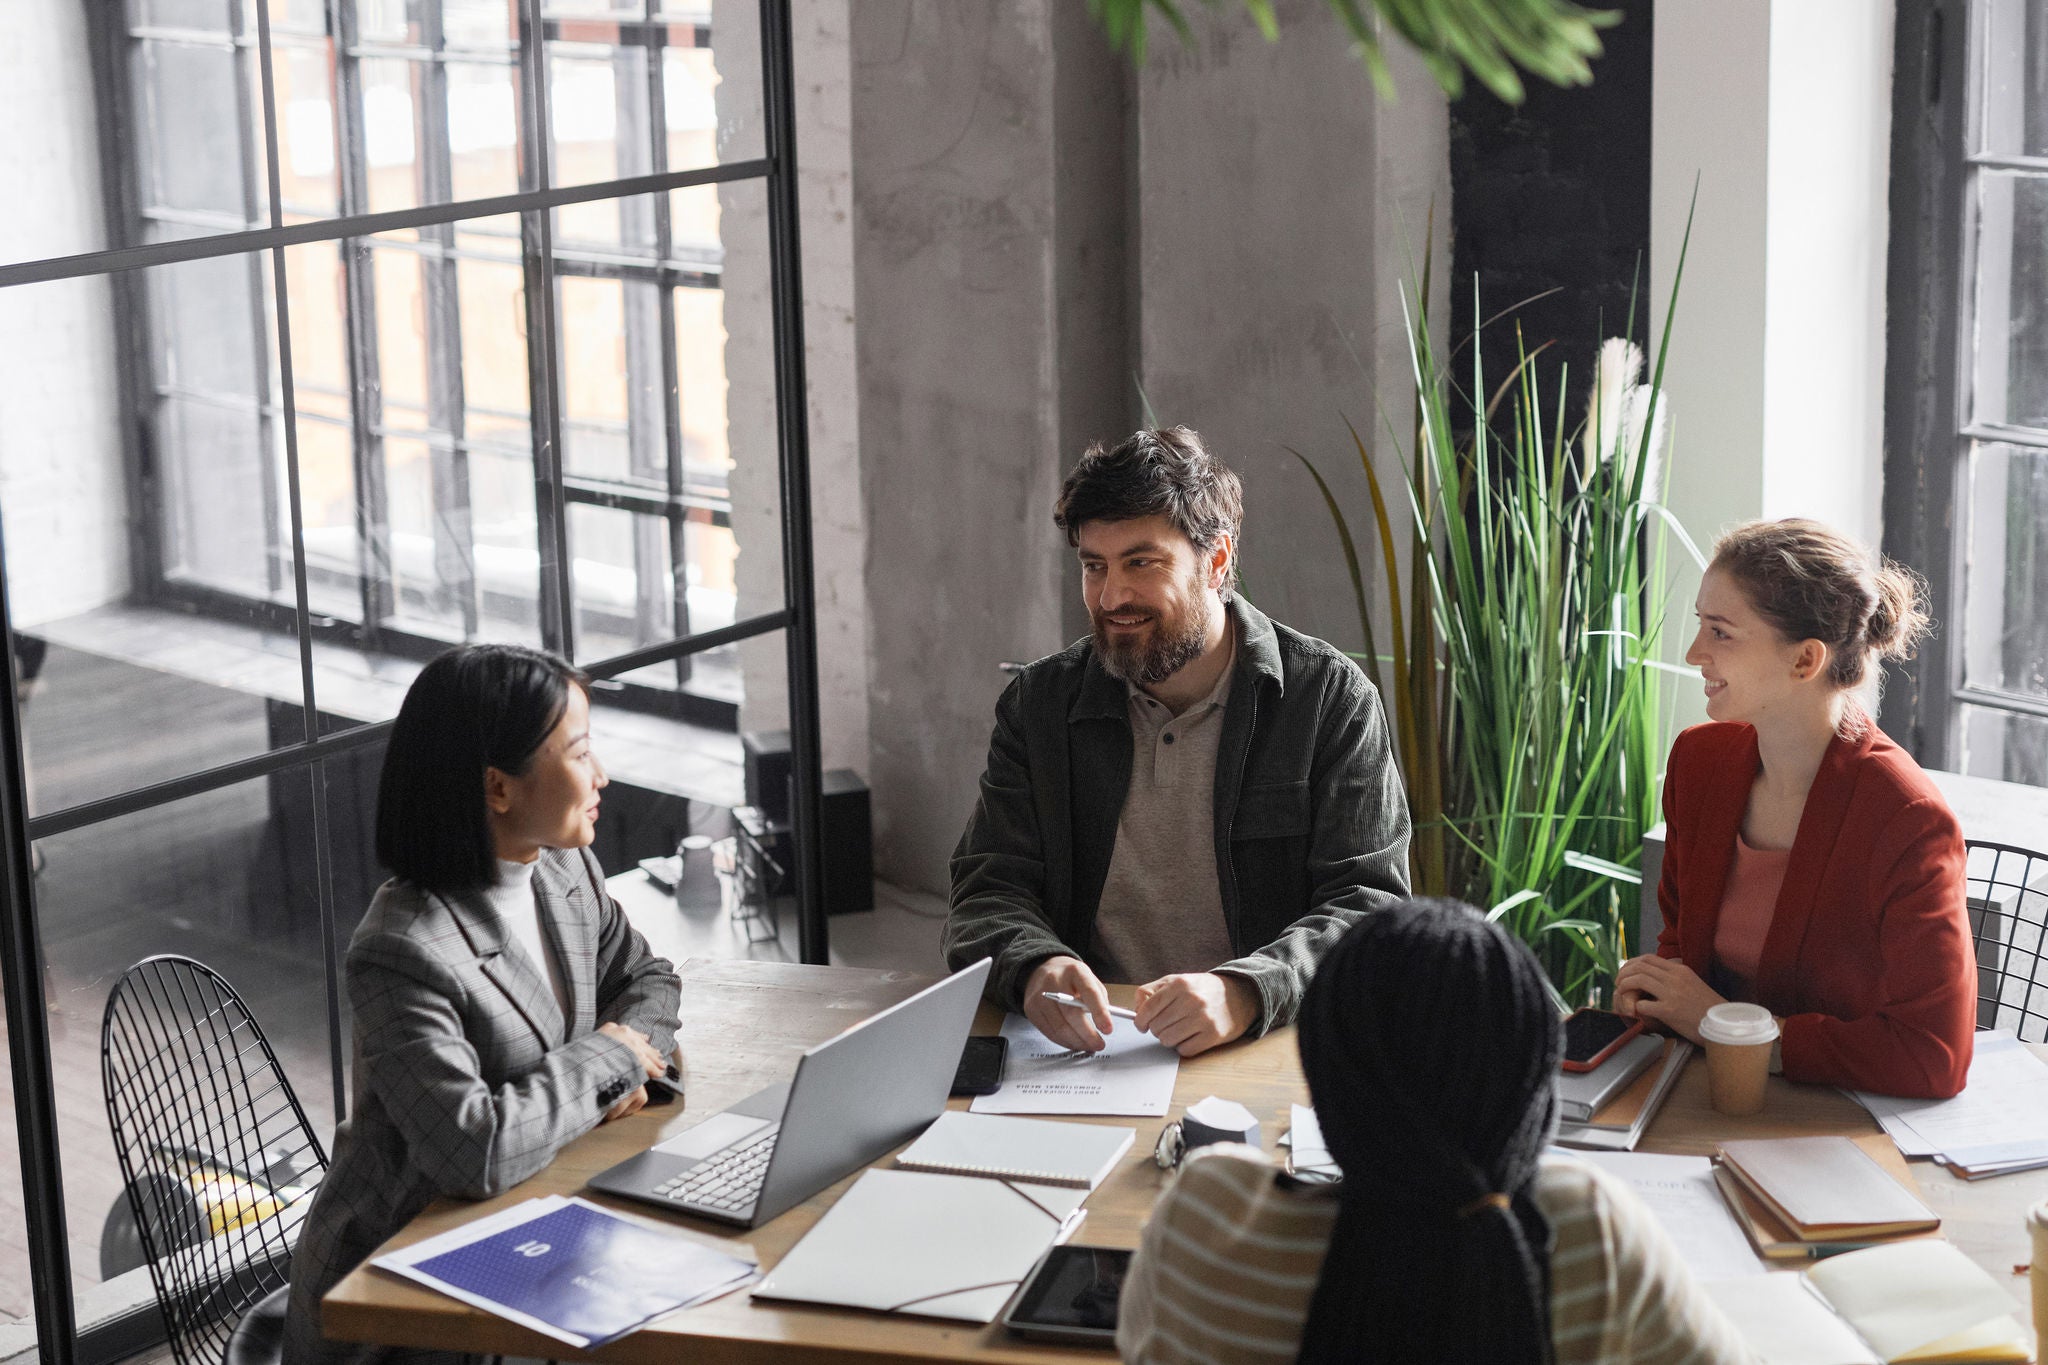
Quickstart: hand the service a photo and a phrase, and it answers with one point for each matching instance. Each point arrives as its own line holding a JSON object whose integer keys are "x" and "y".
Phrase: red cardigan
{"x": 1869, "y": 957}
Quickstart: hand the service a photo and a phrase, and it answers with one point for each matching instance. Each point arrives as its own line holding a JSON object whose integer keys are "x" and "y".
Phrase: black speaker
{"x": 848, "y": 843}
{"x": 767, "y": 772}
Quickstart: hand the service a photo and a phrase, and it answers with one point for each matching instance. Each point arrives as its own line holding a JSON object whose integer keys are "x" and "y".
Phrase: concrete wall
{"x": 1037, "y": 232}
{"x": 1270, "y": 262}
{"x": 1779, "y": 111}
{"x": 63, "y": 498}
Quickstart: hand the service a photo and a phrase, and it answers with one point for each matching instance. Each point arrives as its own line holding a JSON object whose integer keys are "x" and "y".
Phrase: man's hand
{"x": 652, "y": 1062}
{"x": 630, "y": 1103}
{"x": 1071, "y": 1028}
{"x": 1194, "y": 1011}
{"x": 1664, "y": 991}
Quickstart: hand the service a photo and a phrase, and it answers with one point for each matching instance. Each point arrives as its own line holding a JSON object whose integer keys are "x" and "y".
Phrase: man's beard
{"x": 1149, "y": 659}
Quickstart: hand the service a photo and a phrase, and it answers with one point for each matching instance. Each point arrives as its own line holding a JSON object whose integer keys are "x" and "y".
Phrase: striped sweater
{"x": 1228, "y": 1265}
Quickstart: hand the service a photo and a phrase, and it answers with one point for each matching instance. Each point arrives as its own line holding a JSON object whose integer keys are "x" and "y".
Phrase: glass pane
{"x": 614, "y": 424}
{"x": 298, "y": 16}
{"x": 628, "y": 97}
{"x": 434, "y": 133}
{"x": 2015, "y": 56}
{"x": 308, "y": 182}
{"x": 2005, "y": 616}
{"x": 2004, "y": 745}
{"x": 209, "y": 321}
{"x": 228, "y": 878}
{"x": 737, "y": 345}
{"x": 401, "y": 288}
{"x": 208, "y": 15}
{"x": 625, "y": 590}
{"x": 2012, "y": 299}
{"x": 194, "y": 142}
{"x": 327, "y": 492}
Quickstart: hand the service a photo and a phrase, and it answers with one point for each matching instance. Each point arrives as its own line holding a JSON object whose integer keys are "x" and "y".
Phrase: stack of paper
{"x": 1619, "y": 1124}
{"x": 571, "y": 1269}
{"x": 1921, "y": 1301}
{"x": 1133, "y": 1075}
{"x": 1997, "y": 1125}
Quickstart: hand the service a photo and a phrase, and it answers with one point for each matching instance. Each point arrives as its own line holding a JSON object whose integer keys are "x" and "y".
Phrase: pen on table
{"x": 1075, "y": 1003}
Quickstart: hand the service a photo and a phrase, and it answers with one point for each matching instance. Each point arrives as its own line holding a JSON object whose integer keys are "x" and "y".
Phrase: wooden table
{"x": 744, "y": 1024}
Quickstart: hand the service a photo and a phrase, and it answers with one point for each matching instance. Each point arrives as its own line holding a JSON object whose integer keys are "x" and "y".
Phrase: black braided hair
{"x": 1431, "y": 1050}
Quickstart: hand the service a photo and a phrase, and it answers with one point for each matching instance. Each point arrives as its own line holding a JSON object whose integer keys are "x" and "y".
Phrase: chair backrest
{"x": 217, "y": 1156}
{"x": 2008, "y": 891}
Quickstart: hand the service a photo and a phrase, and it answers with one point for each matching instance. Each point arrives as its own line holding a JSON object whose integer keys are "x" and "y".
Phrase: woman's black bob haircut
{"x": 476, "y": 707}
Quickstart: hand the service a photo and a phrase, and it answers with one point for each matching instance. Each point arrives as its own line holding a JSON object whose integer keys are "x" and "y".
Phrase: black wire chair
{"x": 216, "y": 1154}
{"x": 2008, "y": 891}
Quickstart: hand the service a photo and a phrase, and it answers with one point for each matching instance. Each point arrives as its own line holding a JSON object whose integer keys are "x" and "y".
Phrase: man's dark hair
{"x": 476, "y": 707}
{"x": 1156, "y": 472}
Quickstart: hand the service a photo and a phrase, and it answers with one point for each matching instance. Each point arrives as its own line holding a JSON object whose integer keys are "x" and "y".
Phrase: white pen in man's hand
{"x": 1076, "y": 1003}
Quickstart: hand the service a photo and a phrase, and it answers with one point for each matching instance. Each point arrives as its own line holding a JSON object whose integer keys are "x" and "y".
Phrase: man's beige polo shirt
{"x": 1162, "y": 907}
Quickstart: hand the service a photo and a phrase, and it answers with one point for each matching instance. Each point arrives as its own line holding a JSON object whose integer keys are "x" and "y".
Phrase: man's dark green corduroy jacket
{"x": 1311, "y": 820}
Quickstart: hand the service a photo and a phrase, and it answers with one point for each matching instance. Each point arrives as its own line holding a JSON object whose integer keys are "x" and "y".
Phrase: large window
{"x": 424, "y": 468}
{"x": 341, "y": 331}
{"x": 1967, "y": 411}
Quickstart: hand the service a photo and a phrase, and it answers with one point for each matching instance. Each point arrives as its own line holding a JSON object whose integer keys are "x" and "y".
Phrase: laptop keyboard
{"x": 730, "y": 1181}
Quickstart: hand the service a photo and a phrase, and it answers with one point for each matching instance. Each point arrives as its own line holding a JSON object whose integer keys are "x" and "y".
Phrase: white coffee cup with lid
{"x": 1738, "y": 1037}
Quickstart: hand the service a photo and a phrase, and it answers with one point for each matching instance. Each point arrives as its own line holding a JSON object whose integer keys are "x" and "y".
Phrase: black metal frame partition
{"x": 21, "y": 952}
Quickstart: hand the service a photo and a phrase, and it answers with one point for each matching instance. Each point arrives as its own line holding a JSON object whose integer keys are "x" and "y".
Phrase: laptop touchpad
{"x": 713, "y": 1134}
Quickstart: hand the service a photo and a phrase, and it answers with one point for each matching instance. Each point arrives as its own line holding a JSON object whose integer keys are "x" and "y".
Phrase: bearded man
{"x": 1194, "y": 797}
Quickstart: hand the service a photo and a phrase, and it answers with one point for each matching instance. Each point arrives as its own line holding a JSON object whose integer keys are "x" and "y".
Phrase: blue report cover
{"x": 582, "y": 1272}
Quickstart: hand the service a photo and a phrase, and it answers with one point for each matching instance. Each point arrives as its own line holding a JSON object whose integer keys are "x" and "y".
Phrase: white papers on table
{"x": 573, "y": 1270}
{"x": 1134, "y": 1074}
{"x": 1305, "y": 1135}
{"x": 1998, "y": 1123}
{"x": 1681, "y": 1193}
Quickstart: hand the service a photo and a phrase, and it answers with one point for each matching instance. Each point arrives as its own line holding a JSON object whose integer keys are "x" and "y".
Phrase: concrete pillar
{"x": 1780, "y": 112}
{"x": 956, "y": 281}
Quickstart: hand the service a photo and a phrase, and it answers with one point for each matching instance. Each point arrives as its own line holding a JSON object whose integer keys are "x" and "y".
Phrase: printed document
{"x": 1681, "y": 1192}
{"x": 1133, "y": 1075}
{"x": 2000, "y": 1119}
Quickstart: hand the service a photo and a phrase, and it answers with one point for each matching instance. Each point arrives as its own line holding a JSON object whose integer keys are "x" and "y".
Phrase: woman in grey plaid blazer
{"x": 475, "y": 1062}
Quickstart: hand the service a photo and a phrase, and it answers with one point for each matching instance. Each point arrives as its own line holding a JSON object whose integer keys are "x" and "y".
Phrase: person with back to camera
{"x": 1810, "y": 866}
{"x": 502, "y": 1004}
{"x": 1453, "y": 1236}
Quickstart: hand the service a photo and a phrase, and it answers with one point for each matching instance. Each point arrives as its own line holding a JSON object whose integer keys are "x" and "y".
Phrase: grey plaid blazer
{"x": 467, "y": 1078}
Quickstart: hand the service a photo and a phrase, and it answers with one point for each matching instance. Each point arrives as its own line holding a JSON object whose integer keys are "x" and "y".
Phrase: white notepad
{"x": 946, "y": 1246}
{"x": 1076, "y": 1155}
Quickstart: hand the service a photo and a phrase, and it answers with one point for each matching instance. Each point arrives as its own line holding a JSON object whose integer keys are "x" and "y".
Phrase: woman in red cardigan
{"x": 1809, "y": 864}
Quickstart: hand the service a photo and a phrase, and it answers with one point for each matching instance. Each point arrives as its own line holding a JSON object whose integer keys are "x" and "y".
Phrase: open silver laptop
{"x": 853, "y": 1098}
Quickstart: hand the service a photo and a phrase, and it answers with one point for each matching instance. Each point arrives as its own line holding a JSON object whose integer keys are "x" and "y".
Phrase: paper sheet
{"x": 2001, "y": 1118}
{"x": 1133, "y": 1075}
{"x": 1904, "y": 1296}
{"x": 1305, "y": 1135}
{"x": 1681, "y": 1192}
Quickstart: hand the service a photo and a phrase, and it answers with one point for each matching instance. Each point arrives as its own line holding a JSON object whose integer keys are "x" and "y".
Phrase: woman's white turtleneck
{"x": 512, "y": 900}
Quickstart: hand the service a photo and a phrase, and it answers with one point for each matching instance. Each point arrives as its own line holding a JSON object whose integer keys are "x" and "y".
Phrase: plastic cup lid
{"x": 1738, "y": 1024}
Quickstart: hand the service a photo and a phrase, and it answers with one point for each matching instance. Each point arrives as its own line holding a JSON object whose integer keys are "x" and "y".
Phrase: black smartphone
{"x": 1072, "y": 1296}
{"x": 1590, "y": 1037}
{"x": 981, "y": 1066}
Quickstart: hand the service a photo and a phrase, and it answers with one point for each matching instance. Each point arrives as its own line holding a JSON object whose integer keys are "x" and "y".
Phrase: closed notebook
{"x": 1775, "y": 1239}
{"x": 1043, "y": 1151}
{"x": 1582, "y": 1094}
{"x": 947, "y": 1246}
{"x": 1826, "y": 1189}
{"x": 1911, "y": 1303}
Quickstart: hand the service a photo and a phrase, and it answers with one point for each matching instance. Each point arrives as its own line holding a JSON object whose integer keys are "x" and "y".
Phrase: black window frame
{"x": 21, "y": 951}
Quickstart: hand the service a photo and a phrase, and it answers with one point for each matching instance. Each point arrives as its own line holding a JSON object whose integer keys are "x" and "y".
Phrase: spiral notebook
{"x": 1040, "y": 1151}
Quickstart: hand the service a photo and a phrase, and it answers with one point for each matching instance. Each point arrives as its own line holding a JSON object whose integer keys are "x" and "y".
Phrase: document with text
{"x": 1133, "y": 1075}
